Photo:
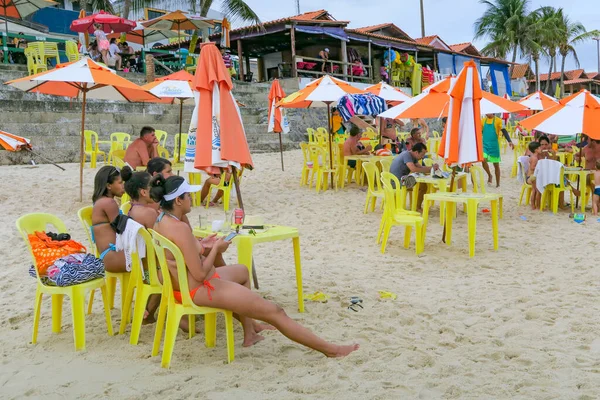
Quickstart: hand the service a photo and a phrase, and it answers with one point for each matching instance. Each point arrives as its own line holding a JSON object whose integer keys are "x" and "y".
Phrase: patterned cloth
{"x": 72, "y": 270}
{"x": 361, "y": 104}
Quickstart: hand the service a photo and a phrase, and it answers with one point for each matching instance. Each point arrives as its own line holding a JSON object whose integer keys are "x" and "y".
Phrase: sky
{"x": 452, "y": 20}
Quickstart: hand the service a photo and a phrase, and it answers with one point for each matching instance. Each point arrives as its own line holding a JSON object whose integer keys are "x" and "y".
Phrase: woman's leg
{"x": 104, "y": 56}
{"x": 114, "y": 261}
{"x": 206, "y": 187}
{"x": 239, "y": 299}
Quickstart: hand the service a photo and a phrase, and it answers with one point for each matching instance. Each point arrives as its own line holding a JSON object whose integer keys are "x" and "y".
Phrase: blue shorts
{"x": 597, "y": 190}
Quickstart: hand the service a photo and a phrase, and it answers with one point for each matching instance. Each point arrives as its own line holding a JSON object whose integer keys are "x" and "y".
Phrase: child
{"x": 596, "y": 200}
{"x": 535, "y": 149}
{"x": 102, "y": 41}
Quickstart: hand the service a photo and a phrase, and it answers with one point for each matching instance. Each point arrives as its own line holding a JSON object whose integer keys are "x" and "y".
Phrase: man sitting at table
{"x": 142, "y": 149}
{"x": 415, "y": 137}
{"x": 407, "y": 162}
{"x": 353, "y": 146}
{"x": 113, "y": 54}
{"x": 547, "y": 152}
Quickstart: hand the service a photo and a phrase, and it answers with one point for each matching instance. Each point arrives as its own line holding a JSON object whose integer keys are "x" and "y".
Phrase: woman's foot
{"x": 184, "y": 325}
{"x": 342, "y": 351}
{"x": 148, "y": 318}
{"x": 251, "y": 339}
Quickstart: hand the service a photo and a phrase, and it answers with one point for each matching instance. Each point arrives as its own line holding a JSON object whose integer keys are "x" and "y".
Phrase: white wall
{"x": 270, "y": 61}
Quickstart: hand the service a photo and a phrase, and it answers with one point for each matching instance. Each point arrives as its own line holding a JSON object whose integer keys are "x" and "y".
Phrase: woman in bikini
{"x": 108, "y": 184}
{"x": 219, "y": 289}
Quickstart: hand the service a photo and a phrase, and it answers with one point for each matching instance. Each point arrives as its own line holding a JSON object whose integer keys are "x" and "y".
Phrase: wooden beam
{"x": 371, "y": 74}
{"x": 293, "y": 45}
{"x": 241, "y": 59}
{"x": 344, "y": 60}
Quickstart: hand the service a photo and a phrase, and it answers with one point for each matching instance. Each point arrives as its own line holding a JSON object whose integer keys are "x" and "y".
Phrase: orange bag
{"x": 46, "y": 251}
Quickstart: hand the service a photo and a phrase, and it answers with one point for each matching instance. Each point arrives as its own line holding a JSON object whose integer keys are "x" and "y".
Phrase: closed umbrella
{"x": 11, "y": 142}
{"x": 87, "y": 78}
{"x": 278, "y": 121}
{"x": 19, "y": 9}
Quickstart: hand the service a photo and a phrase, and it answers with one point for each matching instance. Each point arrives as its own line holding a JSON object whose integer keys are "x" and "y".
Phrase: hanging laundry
{"x": 360, "y": 104}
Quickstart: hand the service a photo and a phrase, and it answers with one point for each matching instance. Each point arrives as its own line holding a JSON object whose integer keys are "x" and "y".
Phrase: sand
{"x": 520, "y": 322}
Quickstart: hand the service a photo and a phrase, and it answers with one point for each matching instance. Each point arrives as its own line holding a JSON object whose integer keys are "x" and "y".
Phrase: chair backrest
{"x": 373, "y": 179}
{"x": 50, "y": 48}
{"x": 523, "y": 171}
{"x": 161, "y": 244}
{"x": 85, "y": 217}
{"x": 161, "y": 136}
{"x": 125, "y": 207}
{"x": 386, "y": 163}
{"x": 428, "y": 162}
{"x": 150, "y": 259}
{"x": 30, "y": 223}
{"x": 317, "y": 156}
{"x": 71, "y": 50}
{"x": 118, "y": 157}
{"x": 436, "y": 134}
{"x": 322, "y": 131}
{"x": 391, "y": 189}
{"x": 305, "y": 152}
{"x": 184, "y": 138}
{"x": 400, "y": 191}
{"x": 119, "y": 141}
{"x": 91, "y": 138}
{"x": 311, "y": 135}
{"x": 370, "y": 133}
{"x": 477, "y": 178}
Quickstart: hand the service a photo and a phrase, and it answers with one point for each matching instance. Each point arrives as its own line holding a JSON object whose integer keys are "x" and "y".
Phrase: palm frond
{"x": 238, "y": 10}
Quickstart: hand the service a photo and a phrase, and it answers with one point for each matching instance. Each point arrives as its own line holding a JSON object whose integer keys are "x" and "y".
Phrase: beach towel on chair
{"x": 46, "y": 251}
{"x": 72, "y": 270}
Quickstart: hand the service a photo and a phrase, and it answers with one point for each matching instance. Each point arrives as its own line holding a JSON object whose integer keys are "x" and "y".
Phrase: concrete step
{"x": 13, "y": 67}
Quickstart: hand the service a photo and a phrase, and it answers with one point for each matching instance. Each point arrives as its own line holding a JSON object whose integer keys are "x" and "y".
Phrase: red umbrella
{"x": 110, "y": 23}
{"x": 276, "y": 116}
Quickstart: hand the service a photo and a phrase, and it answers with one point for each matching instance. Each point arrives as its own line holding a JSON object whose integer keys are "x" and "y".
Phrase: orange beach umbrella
{"x": 11, "y": 142}
{"x": 178, "y": 21}
{"x": 87, "y": 78}
{"x": 538, "y": 101}
{"x": 19, "y": 9}
{"x": 278, "y": 122}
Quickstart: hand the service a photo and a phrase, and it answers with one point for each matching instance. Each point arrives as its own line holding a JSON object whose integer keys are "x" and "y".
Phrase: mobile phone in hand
{"x": 230, "y": 237}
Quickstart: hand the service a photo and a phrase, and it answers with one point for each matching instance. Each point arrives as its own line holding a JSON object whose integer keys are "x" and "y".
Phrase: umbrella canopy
{"x": 11, "y": 142}
{"x": 434, "y": 103}
{"x": 388, "y": 92}
{"x": 143, "y": 36}
{"x": 21, "y": 8}
{"x": 82, "y": 77}
{"x": 219, "y": 140}
{"x": 538, "y": 101}
{"x": 110, "y": 23}
{"x": 461, "y": 142}
{"x": 578, "y": 113}
{"x": 323, "y": 91}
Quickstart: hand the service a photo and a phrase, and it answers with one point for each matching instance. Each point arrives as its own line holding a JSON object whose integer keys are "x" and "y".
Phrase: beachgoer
{"x": 546, "y": 152}
{"x": 388, "y": 130}
{"x": 95, "y": 55}
{"x": 492, "y": 131}
{"x": 415, "y": 137}
{"x": 159, "y": 165}
{"x": 353, "y": 146}
{"x": 534, "y": 149}
{"x": 102, "y": 41}
{"x": 596, "y": 197}
{"x": 142, "y": 149}
{"x": 422, "y": 125}
{"x": 337, "y": 122}
{"x": 214, "y": 179}
{"x": 108, "y": 184}
{"x": 213, "y": 288}
{"x": 113, "y": 52}
{"x": 407, "y": 162}
{"x": 324, "y": 55}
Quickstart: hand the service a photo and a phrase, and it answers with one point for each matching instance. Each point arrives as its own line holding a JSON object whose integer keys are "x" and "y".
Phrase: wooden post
{"x": 293, "y": 44}
{"x": 344, "y": 60}
{"x": 434, "y": 62}
{"x": 248, "y": 65}
{"x": 371, "y": 74}
{"x": 260, "y": 64}
{"x": 241, "y": 59}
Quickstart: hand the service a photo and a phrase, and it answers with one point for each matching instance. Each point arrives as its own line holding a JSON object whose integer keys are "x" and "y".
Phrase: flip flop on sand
{"x": 319, "y": 297}
{"x": 387, "y": 295}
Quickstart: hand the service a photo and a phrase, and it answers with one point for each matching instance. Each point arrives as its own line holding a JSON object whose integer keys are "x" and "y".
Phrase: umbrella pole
{"x": 81, "y": 154}
{"x": 180, "y": 129}
{"x": 448, "y": 204}
{"x": 578, "y": 179}
{"x": 330, "y": 143}
{"x": 45, "y": 159}
{"x": 238, "y": 193}
{"x": 281, "y": 150}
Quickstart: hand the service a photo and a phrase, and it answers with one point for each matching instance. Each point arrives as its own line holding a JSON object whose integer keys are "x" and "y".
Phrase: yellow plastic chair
{"x": 175, "y": 310}
{"x": 308, "y": 173}
{"x": 477, "y": 177}
{"x": 50, "y": 51}
{"x": 118, "y": 158}
{"x": 225, "y": 186}
{"x": 143, "y": 290}
{"x": 71, "y": 49}
{"x": 393, "y": 216}
{"x": 436, "y": 134}
{"x": 30, "y": 223}
{"x": 386, "y": 163}
{"x": 162, "y": 152}
{"x": 85, "y": 216}
{"x": 34, "y": 62}
{"x": 161, "y": 136}
{"x": 374, "y": 190}
{"x": 118, "y": 141}
{"x": 321, "y": 167}
{"x": 125, "y": 207}
{"x": 553, "y": 192}
{"x": 323, "y": 131}
{"x": 525, "y": 187}
{"x": 311, "y": 135}
{"x": 400, "y": 196}
{"x": 184, "y": 138}
{"x": 91, "y": 148}
{"x": 516, "y": 152}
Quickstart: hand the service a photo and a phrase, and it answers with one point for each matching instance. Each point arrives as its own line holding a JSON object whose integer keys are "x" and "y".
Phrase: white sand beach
{"x": 521, "y": 322}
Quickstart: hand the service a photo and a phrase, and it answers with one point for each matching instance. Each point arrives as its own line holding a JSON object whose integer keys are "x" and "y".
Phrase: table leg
{"x": 448, "y": 221}
{"x": 426, "y": 205}
{"x": 472, "y": 218}
{"x": 244, "y": 249}
{"x": 495, "y": 206}
{"x": 583, "y": 190}
{"x": 443, "y": 205}
{"x": 344, "y": 172}
{"x": 296, "y": 242}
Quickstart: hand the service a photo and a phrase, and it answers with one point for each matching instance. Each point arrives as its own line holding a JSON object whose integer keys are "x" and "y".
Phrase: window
{"x": 151, "y": 13}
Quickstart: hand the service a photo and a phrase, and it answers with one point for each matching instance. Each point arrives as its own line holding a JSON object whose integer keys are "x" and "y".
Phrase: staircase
{"x": 53, "y": 124}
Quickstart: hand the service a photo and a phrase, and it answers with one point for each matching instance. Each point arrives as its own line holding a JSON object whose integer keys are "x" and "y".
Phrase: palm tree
{"x": 505, "y": 23}
{"x": 97, "y": 5}
{"x": 572, "y": 33}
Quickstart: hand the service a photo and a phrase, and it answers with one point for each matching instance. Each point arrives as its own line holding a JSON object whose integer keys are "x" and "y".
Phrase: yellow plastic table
{"x": 472, "y": 201}
{"x": 565, "y": 158}
{"x": 245, "y": 245}
{"x": 582, "y": 174}
{"x": 440, "y": 183}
